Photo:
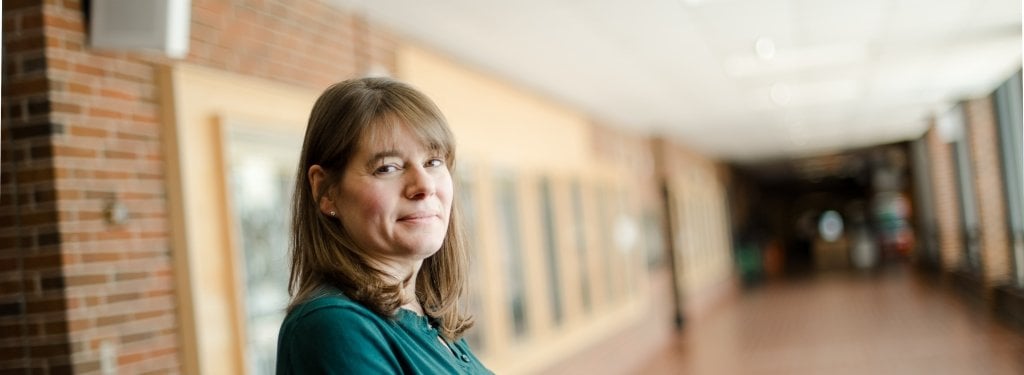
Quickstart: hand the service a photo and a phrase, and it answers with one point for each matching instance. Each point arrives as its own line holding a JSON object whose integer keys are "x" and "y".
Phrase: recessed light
{"x": 780, "y": 94}
{"x": 765, "y": 48}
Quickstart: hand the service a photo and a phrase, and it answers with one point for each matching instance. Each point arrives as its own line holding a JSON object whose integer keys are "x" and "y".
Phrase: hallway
{"x": 894, "y": 322}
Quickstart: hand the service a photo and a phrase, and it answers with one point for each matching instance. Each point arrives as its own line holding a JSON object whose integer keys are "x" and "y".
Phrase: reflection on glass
{"x": 581, "y": 244}
{"x": 625, "y": 233}
{"x": 261, "y": 170}
{"x": 508, "y": 215}
{"x": 473, "y": 302}
{"x": 654, "y": 240}
{"x": 605, "y": 247}
{"x": 551, "y": 249}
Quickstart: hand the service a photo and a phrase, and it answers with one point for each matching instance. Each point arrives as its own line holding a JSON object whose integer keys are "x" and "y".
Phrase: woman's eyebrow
{"x": 372, "y": 162}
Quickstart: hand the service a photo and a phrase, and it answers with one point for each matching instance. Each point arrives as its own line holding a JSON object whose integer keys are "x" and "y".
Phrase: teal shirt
{"x": 332, "y": 334}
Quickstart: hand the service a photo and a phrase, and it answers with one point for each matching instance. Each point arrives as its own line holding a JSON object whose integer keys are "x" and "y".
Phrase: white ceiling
{"x": 833, "y": 74}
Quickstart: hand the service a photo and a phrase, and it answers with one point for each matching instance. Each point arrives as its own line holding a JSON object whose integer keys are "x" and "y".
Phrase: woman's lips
{"x": 419, "y": 216}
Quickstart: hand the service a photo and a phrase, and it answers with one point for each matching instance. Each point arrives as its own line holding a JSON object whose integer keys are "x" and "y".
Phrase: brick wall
{"x": 33, "y": 330}
{"x": 988, "y": 183}
{"x": 81, "y": 131}
{"x": 306, "y": 43}
{"x": 945, "y": 200}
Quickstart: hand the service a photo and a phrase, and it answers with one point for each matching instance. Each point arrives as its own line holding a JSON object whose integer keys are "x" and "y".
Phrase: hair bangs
{"x": 431, "y": 131}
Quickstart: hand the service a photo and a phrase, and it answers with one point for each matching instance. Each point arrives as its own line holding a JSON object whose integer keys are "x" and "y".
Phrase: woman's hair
{"x": 323, "y": 252}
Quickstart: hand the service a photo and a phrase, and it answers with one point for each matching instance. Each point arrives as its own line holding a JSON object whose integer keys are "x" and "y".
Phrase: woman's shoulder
{"x": 330, "y": 307}
{"x": 331, "y": 331}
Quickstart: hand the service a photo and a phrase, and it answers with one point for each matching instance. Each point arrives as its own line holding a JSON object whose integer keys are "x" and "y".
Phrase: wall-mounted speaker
{"x": 141, "y": 25}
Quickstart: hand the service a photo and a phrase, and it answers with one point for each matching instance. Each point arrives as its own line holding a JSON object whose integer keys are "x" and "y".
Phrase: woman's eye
{"x": 386, "y": 169}
{"x": 435, "y": 163}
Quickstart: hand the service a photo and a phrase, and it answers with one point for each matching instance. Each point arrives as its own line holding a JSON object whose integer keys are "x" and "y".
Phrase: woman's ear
{"x": 317, "y": 178}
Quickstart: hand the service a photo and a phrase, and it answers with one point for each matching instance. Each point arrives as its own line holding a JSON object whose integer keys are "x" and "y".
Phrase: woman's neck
{"x": 402, "y": 271}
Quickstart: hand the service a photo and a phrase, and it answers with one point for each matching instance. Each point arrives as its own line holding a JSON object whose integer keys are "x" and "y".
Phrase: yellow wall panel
{"x": 496, "y": 122}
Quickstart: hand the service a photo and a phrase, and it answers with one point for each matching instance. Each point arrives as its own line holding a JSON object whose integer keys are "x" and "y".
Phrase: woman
{"x": 378, "y": 261}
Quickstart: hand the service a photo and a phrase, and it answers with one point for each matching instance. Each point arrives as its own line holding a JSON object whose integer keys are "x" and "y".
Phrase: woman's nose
{"x": 420, "y": 184}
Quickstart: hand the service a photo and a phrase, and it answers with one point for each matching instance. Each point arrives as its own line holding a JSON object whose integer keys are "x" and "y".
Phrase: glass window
{"x": 965, "y": 188}
{"x": 581, "y": 244}
{"x": 654, "y": 239}
{"x": 1009, "y": 113}
{"x": 551, "y": 251}
{"x": 261, "y": 172}
{"x": 473, "y": 302}
{"x": 606, "y": 247}
{"x": 512, "y": 257}
{"x": 927, "y": 226}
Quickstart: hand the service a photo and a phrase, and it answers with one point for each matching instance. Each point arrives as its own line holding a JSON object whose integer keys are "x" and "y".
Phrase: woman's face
{"x": 395, "y": 197}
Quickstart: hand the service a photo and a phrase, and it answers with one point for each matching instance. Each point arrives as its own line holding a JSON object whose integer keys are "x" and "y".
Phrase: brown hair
{"x": 323, "y": 252}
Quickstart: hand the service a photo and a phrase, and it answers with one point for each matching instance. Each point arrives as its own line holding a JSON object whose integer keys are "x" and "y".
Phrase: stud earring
{"x": 333, "y": 214}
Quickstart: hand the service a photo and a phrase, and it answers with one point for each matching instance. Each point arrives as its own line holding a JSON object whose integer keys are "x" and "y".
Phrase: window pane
{"x": 1008, "y": 109}
{"x": 473, "y": 302}
{"x": 508, "y": 216}
{"x": 581, "y": 244}
{"x": 551, "y": 250}
{"x": 606, "y": 248}
{"x": 260, "y": 178}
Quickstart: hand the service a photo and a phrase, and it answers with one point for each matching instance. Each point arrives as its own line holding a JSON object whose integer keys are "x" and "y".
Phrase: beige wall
{"x": 496, "y": 123}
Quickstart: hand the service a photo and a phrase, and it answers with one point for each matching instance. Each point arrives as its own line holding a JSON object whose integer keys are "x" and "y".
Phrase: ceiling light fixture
{"x": 780, "y": 94}
{"x": 765, "y": 48}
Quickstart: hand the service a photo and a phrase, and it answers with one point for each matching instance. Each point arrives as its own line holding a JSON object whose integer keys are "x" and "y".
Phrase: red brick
{"x": 84, "y": 131}
{"x": 53, "y": 42}
{"x": 93, "y": 301}
{"x": 83, "y": 280}
{"x": 100, "y": 257}
{"x": 105, "y": 113}
{"x": 113, "y": 175}
{"x": 110, "y": 320}
{"x": 34, "y": 175}
{"x": 110, "y": 154}
{"x": 10, "y": 285}
{"x": 125, "y": 359}
{"x": 75, "y": 152}
{"x": 54, "y": 21}
{"x": 80, "y": 325}
{"x": 114, "y": 235}
{"x": 25, "y": 43}
{"x": 125, "y": 276}
{"x": 66, "y": 108}
{"x": 42, "y": 196}
{"x": 8, "y": 264}
{"x": 123, "y": 297}
{"x": 90, "y": 215}
{"x": 56, "y": 327}
{"x": 150, "y": 314}
{"x": 26, "y": 86}
{"x": 88, "y": 367}
{"x": 11, "y": 5}
{"x": 12, "y": 351}
{"x": 51, "y": 350}
{"x": 118, "y": 94}
{"x": 47, "y": 261}
{"x": 45, "y": 306}
{"x": 77, "y": 88}
{"x": 36, "y": 218}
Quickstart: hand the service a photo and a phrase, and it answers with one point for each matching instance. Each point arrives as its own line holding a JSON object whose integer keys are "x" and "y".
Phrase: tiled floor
{"x": 893, "y": 322}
